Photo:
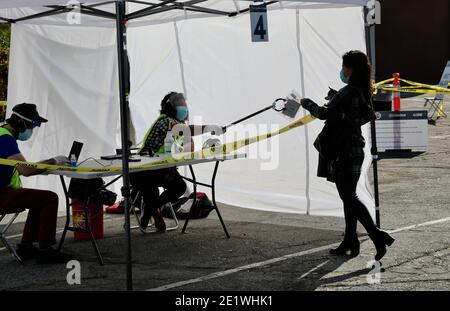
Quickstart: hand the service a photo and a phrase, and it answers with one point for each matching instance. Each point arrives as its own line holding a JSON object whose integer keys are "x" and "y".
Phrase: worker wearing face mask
{"x": 40, "y": 225}
{"x": 173, "y": 115}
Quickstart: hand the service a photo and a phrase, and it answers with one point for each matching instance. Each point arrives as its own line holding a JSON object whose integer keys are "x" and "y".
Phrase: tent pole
{"x": 122, "y": 54}
{"x": 370, "y": 42}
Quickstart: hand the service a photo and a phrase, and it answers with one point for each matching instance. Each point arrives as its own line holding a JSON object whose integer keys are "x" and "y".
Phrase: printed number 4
{"x": 259, "y": 30}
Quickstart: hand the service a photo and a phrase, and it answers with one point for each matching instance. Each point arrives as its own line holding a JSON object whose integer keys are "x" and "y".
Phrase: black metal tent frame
{"x": 121, "y": 18}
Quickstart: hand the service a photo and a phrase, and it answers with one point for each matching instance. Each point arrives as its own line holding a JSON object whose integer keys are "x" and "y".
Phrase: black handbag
{"x": 83, "y": 189}
{"x": 332, "y": 143}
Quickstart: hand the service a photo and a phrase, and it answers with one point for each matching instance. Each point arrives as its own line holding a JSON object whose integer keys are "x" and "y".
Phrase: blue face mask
{"x": 344, "y": 78}
{"x": 25, "y": 135}
{"x": 182, "y": 113}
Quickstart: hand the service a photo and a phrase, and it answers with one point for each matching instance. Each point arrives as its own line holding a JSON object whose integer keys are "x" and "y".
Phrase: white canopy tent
{"x": 70, "y": 71}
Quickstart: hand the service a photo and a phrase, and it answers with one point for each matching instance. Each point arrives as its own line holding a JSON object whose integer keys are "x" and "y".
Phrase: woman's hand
{"x": 306, "y": 103}
{"x": 61, "y": 160}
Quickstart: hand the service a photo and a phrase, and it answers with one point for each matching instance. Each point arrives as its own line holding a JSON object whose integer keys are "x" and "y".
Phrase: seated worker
{"x": 174, "y": 112}
{"x": 42, "y": 206}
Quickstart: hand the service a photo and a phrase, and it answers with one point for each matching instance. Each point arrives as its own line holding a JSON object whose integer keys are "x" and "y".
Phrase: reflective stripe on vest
{"x": 178, "y": 139}
{"x": 15, "y": 182}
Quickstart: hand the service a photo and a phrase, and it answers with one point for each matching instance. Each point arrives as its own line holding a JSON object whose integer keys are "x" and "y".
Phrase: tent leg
{"x": 122, "y": 61}
{"x": 374, "y": 152}
{"x": 370, "y": 43}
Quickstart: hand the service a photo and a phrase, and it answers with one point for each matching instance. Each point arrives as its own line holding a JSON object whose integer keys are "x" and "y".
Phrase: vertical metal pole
{"x": 303, "y": 91}
{"x": 213, "y": 188}
{"x": 67, "y": 224}
{"x": 122, "y": 54}
{"x": 191, "y": 212}
{"x": 370, "y": 42}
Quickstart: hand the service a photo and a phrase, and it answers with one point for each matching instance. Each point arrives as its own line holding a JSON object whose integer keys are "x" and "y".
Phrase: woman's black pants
{"x": 148, "y": 184}
{"x": 346, "y": 179}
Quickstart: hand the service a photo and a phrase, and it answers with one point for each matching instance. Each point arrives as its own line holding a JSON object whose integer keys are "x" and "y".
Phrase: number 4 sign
{"x": 258, "y": 19}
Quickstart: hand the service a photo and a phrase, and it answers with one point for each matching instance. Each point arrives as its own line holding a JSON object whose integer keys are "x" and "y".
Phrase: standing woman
{"x": 341, "y": 149}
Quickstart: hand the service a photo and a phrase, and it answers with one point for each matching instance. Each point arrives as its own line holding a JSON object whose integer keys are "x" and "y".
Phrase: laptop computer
{"x": 76, "y": 150}
{"x": 133, "y": 157}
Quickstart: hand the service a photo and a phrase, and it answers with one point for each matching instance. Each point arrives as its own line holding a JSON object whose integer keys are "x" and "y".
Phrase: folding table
{"x": 94, "y": 163}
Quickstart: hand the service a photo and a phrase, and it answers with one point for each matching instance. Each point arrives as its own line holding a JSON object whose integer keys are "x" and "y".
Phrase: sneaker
{"x": 159, "y": 220}
{"x": 27, "y": 251}
{"x": 116, "y": 208}
{"x": 51, "y": 255}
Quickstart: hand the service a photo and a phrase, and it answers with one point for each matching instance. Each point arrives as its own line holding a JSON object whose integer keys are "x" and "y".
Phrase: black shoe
{"x": 51, "y": 255}
{"x": 27, "y": 251}
{"x": 351, "y": 246}
{"x": 381, "y": 240}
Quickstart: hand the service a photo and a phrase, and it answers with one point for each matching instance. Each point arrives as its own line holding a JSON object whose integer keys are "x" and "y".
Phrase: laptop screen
{"x": 76, "y": 149}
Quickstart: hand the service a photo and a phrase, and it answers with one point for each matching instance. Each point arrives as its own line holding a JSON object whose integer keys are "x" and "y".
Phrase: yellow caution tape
{"x": 412, "y": 90}
{"x": 376, "y": 85}
{"x": 181, "y": 157}
{"x": 433, "y": 87}
{"x": 414, "y": 87}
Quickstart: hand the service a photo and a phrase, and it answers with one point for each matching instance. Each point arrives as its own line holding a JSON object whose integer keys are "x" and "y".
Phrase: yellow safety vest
{"x": 15, "y": 182}
{"x": 177, "y": 138}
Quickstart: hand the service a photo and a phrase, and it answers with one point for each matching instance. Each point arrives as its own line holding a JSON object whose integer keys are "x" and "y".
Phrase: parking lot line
{"x": 280, "y": 259}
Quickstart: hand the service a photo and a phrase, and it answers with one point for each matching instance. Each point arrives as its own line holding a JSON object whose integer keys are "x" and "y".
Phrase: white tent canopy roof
{"x": 39, "y": 3}
{"x": 161, "y": 10}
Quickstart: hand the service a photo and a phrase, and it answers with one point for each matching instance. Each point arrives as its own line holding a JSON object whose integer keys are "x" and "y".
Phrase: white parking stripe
{"x": 312, "y": 270}
{"x": 428, "y": 223}
{"x": 279, "y": 259}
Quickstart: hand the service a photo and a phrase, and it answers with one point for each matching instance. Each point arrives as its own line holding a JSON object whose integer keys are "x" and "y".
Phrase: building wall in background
{"x": 413, "y": 39}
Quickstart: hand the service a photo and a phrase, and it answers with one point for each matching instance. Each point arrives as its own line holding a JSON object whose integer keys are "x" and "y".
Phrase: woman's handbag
{"x": 331, "y": 143}
{"x": 335, "y": 141}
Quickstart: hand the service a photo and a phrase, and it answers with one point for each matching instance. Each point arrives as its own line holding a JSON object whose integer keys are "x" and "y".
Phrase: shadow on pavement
{"x": 160, "y": 259}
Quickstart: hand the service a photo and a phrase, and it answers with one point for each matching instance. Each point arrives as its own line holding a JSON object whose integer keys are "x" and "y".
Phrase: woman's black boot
{"x": 381, "y": 239}
{"x": 351, "y": 245}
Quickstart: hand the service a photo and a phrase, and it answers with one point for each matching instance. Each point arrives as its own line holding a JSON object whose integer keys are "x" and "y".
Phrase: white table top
{"x": 91, "y": 163}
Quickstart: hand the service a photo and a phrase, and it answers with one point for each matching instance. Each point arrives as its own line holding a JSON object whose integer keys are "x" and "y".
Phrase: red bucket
{"x": 95, "y": 213}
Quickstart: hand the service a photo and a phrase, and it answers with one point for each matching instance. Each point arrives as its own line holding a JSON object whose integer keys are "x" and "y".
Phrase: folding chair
{"x": 138, "y": 203}
{"x": 436, "y": 110}
{"x": 15, "y": 212}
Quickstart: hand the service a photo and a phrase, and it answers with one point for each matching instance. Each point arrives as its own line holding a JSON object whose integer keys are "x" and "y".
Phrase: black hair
{"x": 18, "y": 124}
{"x": 361, "y": 68}
{"x": 167, "y": 107}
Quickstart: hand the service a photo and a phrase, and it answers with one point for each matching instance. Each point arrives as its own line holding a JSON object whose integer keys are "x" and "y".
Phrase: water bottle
{"x": 168, "y": 142}
{"x": 73, "y": 160}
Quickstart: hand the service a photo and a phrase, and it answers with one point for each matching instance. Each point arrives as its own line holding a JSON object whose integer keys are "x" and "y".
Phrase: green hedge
{"x": 5, "y": 35}
{"x": 2, "y": 111}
